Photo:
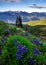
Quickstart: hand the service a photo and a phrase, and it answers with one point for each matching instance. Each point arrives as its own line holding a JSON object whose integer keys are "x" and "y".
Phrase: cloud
{"x": 37, "y": 6}
{"x": 10, "y": 1}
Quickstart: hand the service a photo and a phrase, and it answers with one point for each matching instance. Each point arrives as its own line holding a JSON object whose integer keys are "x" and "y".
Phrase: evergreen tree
{"x": 19, "y": 21}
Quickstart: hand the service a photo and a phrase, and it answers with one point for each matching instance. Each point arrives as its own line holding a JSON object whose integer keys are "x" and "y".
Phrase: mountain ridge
{"x": 11, "y": 16}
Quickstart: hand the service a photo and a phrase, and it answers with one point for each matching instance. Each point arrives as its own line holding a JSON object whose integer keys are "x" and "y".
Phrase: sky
{"x": 23, "y": 5}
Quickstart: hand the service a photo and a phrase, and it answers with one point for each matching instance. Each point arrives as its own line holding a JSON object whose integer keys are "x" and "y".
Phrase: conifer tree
{"x": 19, "y": 21}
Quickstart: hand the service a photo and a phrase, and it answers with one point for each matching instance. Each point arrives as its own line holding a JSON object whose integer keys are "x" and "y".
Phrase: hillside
{"x": 38, "y": 22}
{"x": 20, "y": 47}
{"x": 37, "y": 28}
{"x": 10, "y": 16}
{"x": 3, "y": 27}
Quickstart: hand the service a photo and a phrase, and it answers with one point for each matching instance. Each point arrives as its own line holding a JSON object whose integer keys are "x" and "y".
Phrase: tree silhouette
{"x": 19, "y": 21}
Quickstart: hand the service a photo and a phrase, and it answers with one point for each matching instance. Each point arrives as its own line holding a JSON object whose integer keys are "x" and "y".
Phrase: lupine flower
{"x": 26, "y": 50}
{"x": 15, "y": 42}
{"x": 36, "y": 51}
{"x": 23, "y": 50}
{"x": 31, "y": 61}
{"x": 19, "y": 46}
{"x": 40, "y": 43}
{"x": 3, "y": 41}
{"x": 39, "y": 52}
{"x": 36, "y": 41}
{"x": 19, "y": 51}
{"x": 18, "y": 56}
{"x": 27, "y": 33}
{"x": 31, "y": 40}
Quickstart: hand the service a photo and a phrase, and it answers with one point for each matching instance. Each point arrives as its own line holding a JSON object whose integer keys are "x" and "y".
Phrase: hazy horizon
{"x": 22, "y": 11}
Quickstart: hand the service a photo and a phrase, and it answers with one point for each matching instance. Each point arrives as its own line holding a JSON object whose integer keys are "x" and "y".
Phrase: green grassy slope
{"x": 12, "y": 60}
{"x": 3, "y": 27}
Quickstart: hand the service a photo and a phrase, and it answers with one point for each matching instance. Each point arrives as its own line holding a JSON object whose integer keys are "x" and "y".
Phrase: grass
{"x": 12, "y": 50}
{"x": 3, "y": 27}
{"x": 38, "y": 22}
{"x": 38, "y": 30}
{"x": 21, "y": 40}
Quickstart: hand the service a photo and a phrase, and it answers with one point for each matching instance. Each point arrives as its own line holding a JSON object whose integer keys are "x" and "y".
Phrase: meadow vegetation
{"x": 21, "y": 46}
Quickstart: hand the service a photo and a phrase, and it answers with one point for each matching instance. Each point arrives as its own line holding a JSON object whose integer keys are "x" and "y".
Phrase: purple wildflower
{"x": 18, "y": 56}
{"x": 15, "y": 42}
{"x": 31, "y": 40}
{"x": 3, "y": 41}
{"x": 26, "y": 50}
{"x": 23, "y": 50}
{"x": 27, "y": 33}
{"x": 31, "y": 61}
{"x": 36, "y": 51}
{"x": 19, "y": 51}
{"x": 36, "y": 41}
{"x": 19, "y": 46}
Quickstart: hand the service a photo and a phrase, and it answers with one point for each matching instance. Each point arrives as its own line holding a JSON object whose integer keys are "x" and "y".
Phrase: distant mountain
{"x": 10, "y": 16}
{"x": 38, "y": 22}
